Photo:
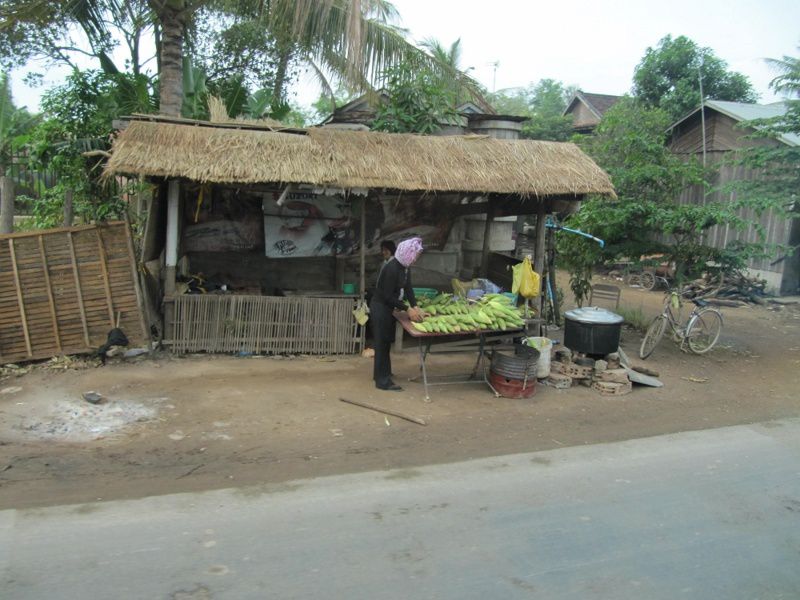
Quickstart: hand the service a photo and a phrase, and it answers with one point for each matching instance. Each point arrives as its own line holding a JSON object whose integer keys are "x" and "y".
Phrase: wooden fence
{"x": 62, "y": 290}
{"x": 264, "y": 325}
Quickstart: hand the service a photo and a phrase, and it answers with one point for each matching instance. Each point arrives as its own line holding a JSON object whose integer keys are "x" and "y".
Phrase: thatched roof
{"x": 355, "y": 159}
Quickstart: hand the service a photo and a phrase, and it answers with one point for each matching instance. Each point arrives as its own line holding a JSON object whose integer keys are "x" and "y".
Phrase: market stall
{"x": 287, "y": 213}
{"x": 479, "y": 342}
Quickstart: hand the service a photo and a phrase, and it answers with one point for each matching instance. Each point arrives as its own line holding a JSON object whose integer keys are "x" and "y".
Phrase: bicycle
{"x": 699, "y": 334}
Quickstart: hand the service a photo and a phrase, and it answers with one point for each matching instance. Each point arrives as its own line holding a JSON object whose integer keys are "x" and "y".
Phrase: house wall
{"x": 224, "y": 240}
{"x": 582, "y": 116}
{"x": 722, "y": 135}
{"x": 781, "y": 277}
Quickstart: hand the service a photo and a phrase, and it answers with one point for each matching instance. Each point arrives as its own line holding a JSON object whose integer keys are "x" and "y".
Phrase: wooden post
{"x": 538, "y": 257}
{"x": 144, "y": 316}
{"x": 101, "y": 253}
{"x": 68, "y": 211}
{"x": 340, "y": 264}
{"x": 487, "y": 240}
{"x": 363, "y": 251}
{"x": 362, "y": 267}
{"x": 6, "y": 204}
{"x": 78, "y": 290}
{"x": 141, "y": 204}
{"x": 50, "y": 298}
{"x": 20, "y": 301}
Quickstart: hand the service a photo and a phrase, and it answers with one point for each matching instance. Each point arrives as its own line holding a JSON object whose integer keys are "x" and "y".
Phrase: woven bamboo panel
{"x": 264, "y": 325}
{"x": 62, "y": 289}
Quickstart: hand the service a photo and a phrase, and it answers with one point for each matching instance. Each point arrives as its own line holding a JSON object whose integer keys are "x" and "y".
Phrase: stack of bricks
{"x": 606, "y": 376}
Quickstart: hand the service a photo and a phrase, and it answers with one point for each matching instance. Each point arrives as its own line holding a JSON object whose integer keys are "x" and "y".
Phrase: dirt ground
{"x": 203, "y": 422}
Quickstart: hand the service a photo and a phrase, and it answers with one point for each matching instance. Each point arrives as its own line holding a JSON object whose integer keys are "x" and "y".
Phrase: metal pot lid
{"x": 594, "y": 315}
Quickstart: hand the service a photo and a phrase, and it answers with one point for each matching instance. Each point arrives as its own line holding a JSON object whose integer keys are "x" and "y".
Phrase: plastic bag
{"x": 488, "y": 287}
{"x": 361, "y": 313}
{"x": 526, "y": 282}
{"x": 545, "y": 347}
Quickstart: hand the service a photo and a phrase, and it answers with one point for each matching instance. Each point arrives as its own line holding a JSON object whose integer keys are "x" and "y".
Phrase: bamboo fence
{"x": 62, "y": 290}
{"x": 264, "y": 325}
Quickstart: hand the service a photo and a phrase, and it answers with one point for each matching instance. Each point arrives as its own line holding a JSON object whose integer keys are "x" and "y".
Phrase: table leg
{"x": 481, "y": 351}
{"x": 423, "y": 353}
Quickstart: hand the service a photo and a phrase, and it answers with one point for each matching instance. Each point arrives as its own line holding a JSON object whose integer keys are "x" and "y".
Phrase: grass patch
{"x": 634, "y": 318}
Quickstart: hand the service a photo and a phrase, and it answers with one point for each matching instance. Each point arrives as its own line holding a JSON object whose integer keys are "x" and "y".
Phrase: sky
{"x": 594, "y": 45}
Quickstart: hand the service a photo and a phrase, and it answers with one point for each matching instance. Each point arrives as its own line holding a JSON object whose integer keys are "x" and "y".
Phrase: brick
{"x": 559, "y": 381}
{"x": 613, "y": 376}
{"x": 607, "y": 388}
{"x": 613, "y": 360}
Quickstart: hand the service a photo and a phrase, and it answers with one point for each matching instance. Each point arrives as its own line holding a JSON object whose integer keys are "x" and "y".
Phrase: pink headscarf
{"x": 408, "y": 251}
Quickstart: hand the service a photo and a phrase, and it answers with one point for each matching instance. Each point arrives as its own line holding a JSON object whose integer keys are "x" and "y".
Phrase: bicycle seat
{"x": 699, "y": 302}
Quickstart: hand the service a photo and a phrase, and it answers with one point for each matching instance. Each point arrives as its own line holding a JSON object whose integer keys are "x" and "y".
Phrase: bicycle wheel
{"x": 703, "y": 330}
{"x": 654, "y": 334}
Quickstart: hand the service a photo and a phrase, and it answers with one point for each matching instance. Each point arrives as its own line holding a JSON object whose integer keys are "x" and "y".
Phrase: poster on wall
{"x": 309, "y": 224}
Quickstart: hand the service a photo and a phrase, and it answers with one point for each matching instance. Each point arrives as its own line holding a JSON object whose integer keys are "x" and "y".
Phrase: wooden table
{"x": 458, "y": 342}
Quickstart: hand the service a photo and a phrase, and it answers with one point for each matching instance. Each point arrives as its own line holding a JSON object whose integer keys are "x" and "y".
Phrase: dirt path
{"x": 209, "y": 422}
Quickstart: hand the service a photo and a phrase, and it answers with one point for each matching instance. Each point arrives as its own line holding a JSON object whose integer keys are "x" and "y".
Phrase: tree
{"x": 353, "y": 40}
{"x": 325, "y": 104}
{"x": 667, "y": 77}
{"x": 70, "y": 141}
{"x": 418, "y": 102}
{"x": 13, "y": 123}
{"x": 447, "y": 56}
{"x": 36, "y": 29}
{"x": 630, "y": 145}
{"x": 544, "y": 103}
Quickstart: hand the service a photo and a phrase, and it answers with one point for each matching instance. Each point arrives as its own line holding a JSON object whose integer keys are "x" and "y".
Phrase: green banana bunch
{"x": 452, "y": 314}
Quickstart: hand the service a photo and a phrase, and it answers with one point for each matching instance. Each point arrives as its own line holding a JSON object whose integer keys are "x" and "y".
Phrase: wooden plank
{"x": 144, "y": 322}
{"x": 75, "y": 229}
{"x": 386, "y": 411}
{"x": 78, "y": 290}
{"x": 101, "y": 252}
{"x": 19, "y": 298}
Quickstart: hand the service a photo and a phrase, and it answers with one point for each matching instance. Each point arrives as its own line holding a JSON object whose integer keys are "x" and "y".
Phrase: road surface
{"x": 710, "y": 514}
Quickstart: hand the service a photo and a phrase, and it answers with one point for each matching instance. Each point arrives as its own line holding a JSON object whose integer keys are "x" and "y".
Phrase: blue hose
{"x": 552, "y": 225}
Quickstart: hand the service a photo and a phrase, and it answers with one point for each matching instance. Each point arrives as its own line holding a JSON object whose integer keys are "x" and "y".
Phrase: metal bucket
{"x": 521, "y": 365}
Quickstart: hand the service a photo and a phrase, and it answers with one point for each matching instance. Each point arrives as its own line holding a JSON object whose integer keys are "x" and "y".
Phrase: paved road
{"x": 706, "y": 515}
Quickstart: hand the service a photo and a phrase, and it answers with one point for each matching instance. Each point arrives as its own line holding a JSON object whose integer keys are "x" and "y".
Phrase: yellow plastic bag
{"x": 526, "y": 282}
{"x": 361, "y": 313}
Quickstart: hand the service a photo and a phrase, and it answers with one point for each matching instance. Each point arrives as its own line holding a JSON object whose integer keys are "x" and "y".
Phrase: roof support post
{"x": 487, "y": 238}
{"x": 173, "y": 202}
{"x": 538, "y": 256}
{"x": 362, "y": 263}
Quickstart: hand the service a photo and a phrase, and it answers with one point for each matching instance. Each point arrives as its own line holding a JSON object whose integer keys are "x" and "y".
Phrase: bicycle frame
{"x": 678, "y": 330}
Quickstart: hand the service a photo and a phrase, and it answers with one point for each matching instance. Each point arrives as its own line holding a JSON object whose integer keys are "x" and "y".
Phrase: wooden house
{"x": 287, "y": 217}
{"x": 721, "y": 137}
{"x": 587, "y": 110}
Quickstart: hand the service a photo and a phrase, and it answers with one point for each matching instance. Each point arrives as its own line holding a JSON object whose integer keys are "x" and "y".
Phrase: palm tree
{"x": 353, "y": 40}
{"x": 789, "y": 78}
{"x": 447, "y": 56}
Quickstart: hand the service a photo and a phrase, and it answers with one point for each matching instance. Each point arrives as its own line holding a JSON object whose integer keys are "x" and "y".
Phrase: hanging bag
{"x": 526, "y": 282}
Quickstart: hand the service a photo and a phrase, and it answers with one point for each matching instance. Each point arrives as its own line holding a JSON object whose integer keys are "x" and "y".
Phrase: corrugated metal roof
{"x": 742, "y": 111}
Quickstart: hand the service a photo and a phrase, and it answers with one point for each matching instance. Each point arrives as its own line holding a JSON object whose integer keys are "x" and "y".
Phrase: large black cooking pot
{"x": 592, "y": 330}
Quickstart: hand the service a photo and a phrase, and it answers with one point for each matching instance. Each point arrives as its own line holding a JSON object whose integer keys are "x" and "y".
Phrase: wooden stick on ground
{"x": 386, "y": 411}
